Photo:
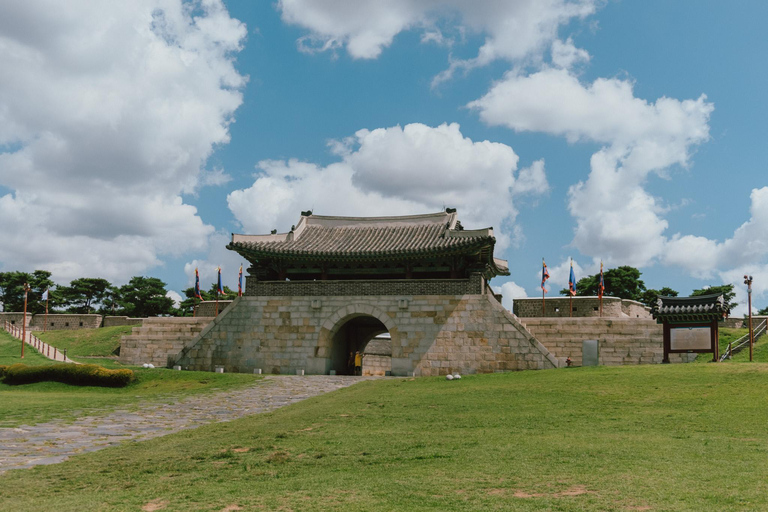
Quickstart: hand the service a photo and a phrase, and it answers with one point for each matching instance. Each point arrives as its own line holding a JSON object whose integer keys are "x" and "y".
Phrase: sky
{"x": 135, "y": 137}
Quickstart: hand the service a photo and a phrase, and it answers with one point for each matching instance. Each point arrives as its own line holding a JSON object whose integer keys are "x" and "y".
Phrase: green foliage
{"x": 185, "y": 307}
{"x": 12, "y": 290}
{"x": 649, "y": 296}
{"x": 726, "y": 290}
{"x": 145, "y": 297}
{"x": 623, "y": 282}
{"x": 763, "y": 311}
{"x": 68, "y": 373}
{"x": 83, "y": 294}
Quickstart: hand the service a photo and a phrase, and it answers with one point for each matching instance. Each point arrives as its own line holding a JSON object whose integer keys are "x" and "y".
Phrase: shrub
{"x": 3, "y": 369}
{"x": 75, "y": 374}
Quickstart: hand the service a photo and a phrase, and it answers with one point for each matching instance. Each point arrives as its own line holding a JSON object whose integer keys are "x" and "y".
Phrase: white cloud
{"x": 566, "y": 55}
{"x": 403, "y": 170}
{"x": 509, "y": 292}
{"x": 616, "y": 218}
{"x": 218, "y": 256}
{"x": 748, "y": 248}
{"x": 175, "y": 296}
{"x": 515, "y": 30}
{"x": 108, "y": 113}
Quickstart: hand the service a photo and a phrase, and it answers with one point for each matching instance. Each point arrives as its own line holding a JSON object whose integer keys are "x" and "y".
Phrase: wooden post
{"x": 570, "y": 305}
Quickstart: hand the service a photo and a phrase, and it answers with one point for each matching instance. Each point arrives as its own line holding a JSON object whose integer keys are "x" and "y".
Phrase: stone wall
{"x": 15, "y": 318}
{"x": 559, "y": 307}
{"x": 621, "y": 341}
{"x": 431, "y": 334}
{"x": 473, "y": 285}
{"x": 207, "y": 308}
{"x": 56, "y": 322}
{"x": 157, "y": 338}
{"x": 116, "y": 321}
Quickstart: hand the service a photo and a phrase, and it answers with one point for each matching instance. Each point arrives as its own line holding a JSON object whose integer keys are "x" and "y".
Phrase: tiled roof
{"x": 370, "y": 238}
{"x": 689, "y": 309}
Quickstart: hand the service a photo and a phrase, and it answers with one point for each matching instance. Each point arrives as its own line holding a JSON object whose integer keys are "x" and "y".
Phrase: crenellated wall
{"x": 621, "y": 341}
{"x": 559, "y": 307}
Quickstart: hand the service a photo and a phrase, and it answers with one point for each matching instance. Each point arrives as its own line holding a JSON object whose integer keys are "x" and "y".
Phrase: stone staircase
{"x": 157, "y": 338}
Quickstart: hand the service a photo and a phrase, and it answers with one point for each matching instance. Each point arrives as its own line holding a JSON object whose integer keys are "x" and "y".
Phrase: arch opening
{"x": 355, "y": 335}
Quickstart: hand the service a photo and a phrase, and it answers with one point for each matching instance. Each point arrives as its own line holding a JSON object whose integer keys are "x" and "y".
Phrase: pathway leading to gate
{"x": 52, "y": 442}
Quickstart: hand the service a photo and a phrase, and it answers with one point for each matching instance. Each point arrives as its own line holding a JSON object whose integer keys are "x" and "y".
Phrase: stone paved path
{"x": 49, "y": 443}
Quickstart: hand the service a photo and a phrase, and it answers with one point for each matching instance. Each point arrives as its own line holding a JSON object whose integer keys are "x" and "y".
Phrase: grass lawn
{"x": 93, "y": 346}
{"x": 661, "y": 437}
{"x": 44, "y": 401}
{"x": 10, "y": 352}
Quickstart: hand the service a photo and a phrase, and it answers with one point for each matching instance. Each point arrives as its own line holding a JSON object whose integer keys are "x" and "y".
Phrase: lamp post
{"x": 748, "y": 282}
{"x": 24, "y": 320}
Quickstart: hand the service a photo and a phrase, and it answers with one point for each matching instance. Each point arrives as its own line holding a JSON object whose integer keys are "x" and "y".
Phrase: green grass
{"x": 84, "y": 345}
{"x": 661, "y": 437}
{"x": 45, "y": 401}
{"x": 35, "y": 403}
{"x": 10, "y": 352}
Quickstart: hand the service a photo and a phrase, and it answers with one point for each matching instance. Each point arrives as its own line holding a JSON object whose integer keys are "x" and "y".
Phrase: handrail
{"x": 741, "y": 342}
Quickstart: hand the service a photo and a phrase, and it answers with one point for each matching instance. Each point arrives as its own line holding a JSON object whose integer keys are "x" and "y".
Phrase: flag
{"x": 240, "y": 282}
{"x": 544, "y": 275}
{"x": 45, "y": 294}
{"x": 601, "y": 283}
{"x": 572, "y": 281}
{"x": 197, "y": 285}
{"x": 220, "y": 288}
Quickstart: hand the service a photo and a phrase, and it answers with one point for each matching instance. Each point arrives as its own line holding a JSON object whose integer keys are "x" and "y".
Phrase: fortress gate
{"x": 331, "y": 284}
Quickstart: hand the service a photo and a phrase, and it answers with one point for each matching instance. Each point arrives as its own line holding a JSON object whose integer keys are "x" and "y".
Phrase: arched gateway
{"x": 331, "y": 284}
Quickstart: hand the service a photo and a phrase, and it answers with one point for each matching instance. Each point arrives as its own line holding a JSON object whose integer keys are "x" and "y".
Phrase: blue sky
{"x": 134, "y": 138}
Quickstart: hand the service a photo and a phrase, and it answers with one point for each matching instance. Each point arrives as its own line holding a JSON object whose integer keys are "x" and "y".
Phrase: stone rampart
{"x": 559, "y": 307}
{"x": 15, "y": 318}
{"x": 430, "y": 334}
{"x": 157, "y": 338}
{"x": 117, "y": 321}
{"x": 621, "y": 341}
{"x": 207, "y": 308}
{"x": 57, "y": 321}
{"x": 357, "y": 287}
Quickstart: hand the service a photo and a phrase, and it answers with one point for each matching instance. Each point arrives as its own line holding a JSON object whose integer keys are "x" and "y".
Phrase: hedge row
{"x": 75, "y": 374}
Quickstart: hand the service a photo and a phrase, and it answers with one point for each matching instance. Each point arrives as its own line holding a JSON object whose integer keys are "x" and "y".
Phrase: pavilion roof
{"x": 701, "y": 308}
{"x": 411, "y": 237}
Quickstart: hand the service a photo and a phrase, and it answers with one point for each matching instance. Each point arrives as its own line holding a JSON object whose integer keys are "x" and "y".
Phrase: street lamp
{"x": 748, "y": 282}
{"x": 24, "y": 321}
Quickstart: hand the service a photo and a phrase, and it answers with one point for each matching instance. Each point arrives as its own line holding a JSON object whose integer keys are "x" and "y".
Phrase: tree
{"x": 144, "y": 297}
{"x": 763, "y": 311}
{"x": 84, "y": 293}
{"x": 110, "y": 303}
{"x": 649, "y": 296}
{"x": 725, "y": 289}
{"x": 12, "y": 290}
{"x": 623, "y": 282}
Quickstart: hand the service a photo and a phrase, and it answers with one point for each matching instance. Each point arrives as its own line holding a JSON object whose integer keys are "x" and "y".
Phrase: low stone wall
{"x": 207, "y": 308}
{"x": 117, "y": 321}
{"x": 158, "y": 338}
{"x": 56, "y": 322}
{"x": 15, "y": 318}
{"x": 621, "y": 341}
{"x": 559, "y": 307}
{"x": 377, "y": 365}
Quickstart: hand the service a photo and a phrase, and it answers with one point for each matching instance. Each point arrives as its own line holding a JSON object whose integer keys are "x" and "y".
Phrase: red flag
{"x": 544, "y": 275}
{"x": 240, "y": 282}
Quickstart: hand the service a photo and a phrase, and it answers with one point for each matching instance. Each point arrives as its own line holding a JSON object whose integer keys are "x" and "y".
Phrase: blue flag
{"x": 572, "y": 281}
{"x": 221, "y": 289}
